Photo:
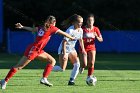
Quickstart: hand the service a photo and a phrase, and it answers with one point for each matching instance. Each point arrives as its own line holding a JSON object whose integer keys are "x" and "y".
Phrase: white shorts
{"x": 68, "y": 50}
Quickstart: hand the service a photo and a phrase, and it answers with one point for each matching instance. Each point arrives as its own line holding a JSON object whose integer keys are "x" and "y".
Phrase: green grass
{"x": 109, "y": 81}
{"x": 116, "y": 73}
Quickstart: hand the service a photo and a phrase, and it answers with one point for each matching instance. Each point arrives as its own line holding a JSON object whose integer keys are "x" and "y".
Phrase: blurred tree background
{"x": 109, "y": 14}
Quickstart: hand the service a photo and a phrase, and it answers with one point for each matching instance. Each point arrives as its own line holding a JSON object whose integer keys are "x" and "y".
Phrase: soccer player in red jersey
{"x": 35, "y": 50}
{"x": 90, "y": 33}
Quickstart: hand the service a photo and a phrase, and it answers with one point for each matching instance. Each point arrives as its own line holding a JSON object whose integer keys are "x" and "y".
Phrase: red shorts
{"x": 32, "y": 52}
{"x": 88, "y": 48}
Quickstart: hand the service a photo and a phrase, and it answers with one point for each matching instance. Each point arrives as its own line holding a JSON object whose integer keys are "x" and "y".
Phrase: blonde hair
{"x": 69, "y": 21}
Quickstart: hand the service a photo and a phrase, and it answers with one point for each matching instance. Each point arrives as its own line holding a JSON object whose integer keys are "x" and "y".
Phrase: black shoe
{"x": 71, "y": 83}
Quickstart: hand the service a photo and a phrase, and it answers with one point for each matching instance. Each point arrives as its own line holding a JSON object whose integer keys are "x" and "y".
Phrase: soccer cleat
{"x": 3, "y": 84}
{"x": 45, "y": 82}
{"x": 71, "y": 83}
{"x": 81, "y": 70}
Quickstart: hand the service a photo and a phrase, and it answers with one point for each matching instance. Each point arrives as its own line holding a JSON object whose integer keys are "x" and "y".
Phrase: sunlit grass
{"x": 116, "y": 73}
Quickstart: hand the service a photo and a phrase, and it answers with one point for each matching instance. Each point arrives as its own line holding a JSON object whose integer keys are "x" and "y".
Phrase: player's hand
{"x": 18, "y": 25}
{"x": 73, "y": 38}
{"x": 95, "y": 34}
{"x": 84, "y": 52}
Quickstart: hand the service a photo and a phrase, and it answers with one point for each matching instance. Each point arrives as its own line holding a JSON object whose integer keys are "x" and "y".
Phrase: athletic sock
{"x": 90, "y": 71}
{"x": 75, "y": 71}
{"x": 47, "y": 70}
{"x": 10, "y": 74}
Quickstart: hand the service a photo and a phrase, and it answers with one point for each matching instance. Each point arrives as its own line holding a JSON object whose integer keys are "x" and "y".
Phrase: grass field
{"x": 115, "y": 73}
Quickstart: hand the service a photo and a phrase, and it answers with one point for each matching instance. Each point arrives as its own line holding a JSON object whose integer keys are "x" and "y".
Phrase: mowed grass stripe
{"x": 109, "y": 81}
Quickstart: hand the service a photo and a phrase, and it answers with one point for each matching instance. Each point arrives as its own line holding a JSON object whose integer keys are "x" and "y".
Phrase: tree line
{"x": 109, "y": 14}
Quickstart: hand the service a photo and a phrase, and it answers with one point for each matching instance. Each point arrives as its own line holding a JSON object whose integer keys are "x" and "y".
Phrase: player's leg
{"x": 83, "y": 62}
{"x": 91, "y": 61}
{"x": 63, "y": 61}
{"x": 76, "y": 64}
{"x": 22, "y": 63}
{"x": 46, "y": 58}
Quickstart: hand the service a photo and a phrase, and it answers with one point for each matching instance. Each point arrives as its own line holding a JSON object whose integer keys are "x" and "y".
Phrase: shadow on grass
{"x": 104, "y": 61}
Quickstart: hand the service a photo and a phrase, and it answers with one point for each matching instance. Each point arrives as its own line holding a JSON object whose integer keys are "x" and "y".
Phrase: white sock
{"x": 57, "y": 68}
{"x": 75, "y": 71}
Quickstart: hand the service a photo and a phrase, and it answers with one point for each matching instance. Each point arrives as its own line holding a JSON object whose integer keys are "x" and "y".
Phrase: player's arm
{"x": 64, "y": 46}
{"x": 64, "y": 49}
{"x": 81, "y": 42}
{"x": 19, "y": 26}
{"x": 99, "y": 37}
{"x": 65, "y": 34}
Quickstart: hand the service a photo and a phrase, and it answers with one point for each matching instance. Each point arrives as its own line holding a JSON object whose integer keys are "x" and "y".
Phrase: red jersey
{"x": 42, "y": 39}
{"x": 89, "y": 38}
{"x": 44, "y": 36}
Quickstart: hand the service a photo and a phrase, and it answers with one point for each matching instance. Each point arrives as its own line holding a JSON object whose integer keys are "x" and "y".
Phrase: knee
{"x": 84, "y": 65}
{"x": 19, "y": 66}
{"x": 53, "y": 61}
{"x": 65, "y": 59}
{"x": 91, "y": 64}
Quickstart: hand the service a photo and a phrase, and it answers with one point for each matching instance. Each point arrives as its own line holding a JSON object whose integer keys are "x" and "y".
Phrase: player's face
{"x": 90, "y": 21}
{"x": 79, "y": 23}
{"x": 54, "y": 23}
{"x": 48, "y": 22}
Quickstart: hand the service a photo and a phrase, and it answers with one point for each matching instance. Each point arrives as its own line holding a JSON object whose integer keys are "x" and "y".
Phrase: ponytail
{"x": 69, "y": 21}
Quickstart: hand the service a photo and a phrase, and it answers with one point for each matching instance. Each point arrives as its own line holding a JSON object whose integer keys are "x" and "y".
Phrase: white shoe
{"x": 57, "y": 69}
{"x": 3, "y": 84}
{"x": 81, "y": 70}
{"x": 45, "y": 82}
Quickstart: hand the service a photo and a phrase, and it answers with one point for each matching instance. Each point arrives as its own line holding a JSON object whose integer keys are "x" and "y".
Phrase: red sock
{"x": 47, "y": 70}
{"x": 90, "y": 71}
{"x": 10, "y": 74}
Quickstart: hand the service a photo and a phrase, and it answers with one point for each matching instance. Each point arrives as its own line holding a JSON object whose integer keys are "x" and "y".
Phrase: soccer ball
{"x": 91, "y": 81}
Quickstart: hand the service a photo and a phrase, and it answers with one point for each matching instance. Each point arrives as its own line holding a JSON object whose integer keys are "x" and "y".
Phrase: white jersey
{"x": 70, "y": 45}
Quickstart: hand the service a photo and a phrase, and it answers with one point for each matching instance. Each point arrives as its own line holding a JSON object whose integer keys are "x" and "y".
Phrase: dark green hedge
{"x": 110, "y": 14}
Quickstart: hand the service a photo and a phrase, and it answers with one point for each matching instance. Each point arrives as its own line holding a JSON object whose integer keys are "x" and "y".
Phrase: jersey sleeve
{"x": 98, "y": 31}
{"x": 54, "y": 29}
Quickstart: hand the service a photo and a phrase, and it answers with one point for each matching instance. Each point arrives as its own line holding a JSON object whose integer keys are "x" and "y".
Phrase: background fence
{"x": 114, "y": 41}
{"x": 1, "y": 24}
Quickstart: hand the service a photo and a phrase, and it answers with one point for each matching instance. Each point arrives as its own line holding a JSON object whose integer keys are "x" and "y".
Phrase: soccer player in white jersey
{"x": 67, "y": 47}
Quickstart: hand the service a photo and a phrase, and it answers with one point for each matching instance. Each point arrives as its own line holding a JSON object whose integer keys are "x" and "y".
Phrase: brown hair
{"x": 90, "y": 15}
{"x": 50, "y": 19}
{"x": 69, "y": 21}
